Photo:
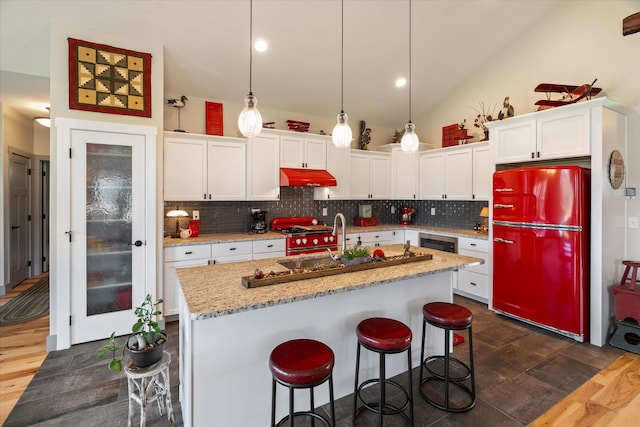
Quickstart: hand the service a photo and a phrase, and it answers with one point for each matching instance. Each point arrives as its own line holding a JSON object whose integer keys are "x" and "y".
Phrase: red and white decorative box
{"x": 627, "y": 303}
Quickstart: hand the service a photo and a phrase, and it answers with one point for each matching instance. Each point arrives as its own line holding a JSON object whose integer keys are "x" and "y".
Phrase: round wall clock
{"x": 616, "y": 169}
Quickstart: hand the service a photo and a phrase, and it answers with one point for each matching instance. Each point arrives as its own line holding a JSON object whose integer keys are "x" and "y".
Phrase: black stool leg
{"x": 447, "y": 336}
{"x": 472, "y": 367}
{"x": 424, "y": 327}
{"x": 355, "y": 387}
{"x": 410, "y": 386}
{"x": 273, "y": 403}
{"x": 381, "y": 405}
{"x": 313, "y": 407}
{"x": 333, "y": 408}
{"x": 291, "y": 406}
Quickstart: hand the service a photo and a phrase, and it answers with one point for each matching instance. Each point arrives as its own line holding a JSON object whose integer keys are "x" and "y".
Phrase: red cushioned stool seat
{"x": 302, "y": 363}
{"x": 445, "y": 370}
{"x": 383, "y": 336}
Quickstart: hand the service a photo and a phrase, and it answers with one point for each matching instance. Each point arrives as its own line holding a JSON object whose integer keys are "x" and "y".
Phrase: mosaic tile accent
{"x": 232, "y": 217}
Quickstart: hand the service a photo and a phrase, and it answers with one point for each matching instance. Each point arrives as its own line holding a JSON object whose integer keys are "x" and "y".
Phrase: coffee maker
{"x": 258, "y": 221}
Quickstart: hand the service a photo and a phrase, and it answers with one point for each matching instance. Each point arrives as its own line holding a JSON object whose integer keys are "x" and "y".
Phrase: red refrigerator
{"x": 541, "y": 247}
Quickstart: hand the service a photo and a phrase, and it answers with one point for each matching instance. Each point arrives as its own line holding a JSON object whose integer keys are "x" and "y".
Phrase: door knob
{"x": 136, "y": 243}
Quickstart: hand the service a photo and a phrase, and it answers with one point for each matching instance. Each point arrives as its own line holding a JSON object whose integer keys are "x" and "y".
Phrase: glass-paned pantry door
{"x": 107, "y": 235}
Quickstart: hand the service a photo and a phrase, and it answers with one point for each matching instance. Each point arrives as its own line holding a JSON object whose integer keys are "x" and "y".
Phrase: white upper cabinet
{"x": 456, "y": 173}
{"x": 458, "y": 179}
{"x": 226, "y": 166}
{"x": 431, "y": 175}
{"x": 370, "y": 175}
{"x": 338, "y": 165}
{"x": 185, "y": 168}
{"x": 483, "y": 169}
{"x": 203, "y": 167}
{"x": 263, "y": 171}
{"x": 404, "y": 174}
{"x": 303, "y": 151}
{"x": 557, "y": 133}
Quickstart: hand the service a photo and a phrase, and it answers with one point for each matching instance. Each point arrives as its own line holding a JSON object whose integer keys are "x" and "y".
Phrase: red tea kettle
{"x": 194, "y": 226}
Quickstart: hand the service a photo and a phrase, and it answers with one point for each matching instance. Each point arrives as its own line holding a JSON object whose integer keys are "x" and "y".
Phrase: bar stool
{"x": 383, "y": 336}
{"x": 149, "y": 384}
{"x": 300, "y": 364}
{"x": 630, "y": 275}
{"x": 450, "y": 317}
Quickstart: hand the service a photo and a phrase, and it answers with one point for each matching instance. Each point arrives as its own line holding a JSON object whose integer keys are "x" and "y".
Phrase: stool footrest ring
{"x": 454, "y": 366}
{"x": 374, "y": 406}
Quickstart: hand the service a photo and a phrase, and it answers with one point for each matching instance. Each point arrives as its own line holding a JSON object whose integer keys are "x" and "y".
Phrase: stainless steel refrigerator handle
{"x": 499, "y": 240}
{"x": 500, "y": 206}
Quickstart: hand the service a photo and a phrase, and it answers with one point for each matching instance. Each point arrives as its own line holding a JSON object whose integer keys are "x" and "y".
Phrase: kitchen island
{"x": 227, "y": 331}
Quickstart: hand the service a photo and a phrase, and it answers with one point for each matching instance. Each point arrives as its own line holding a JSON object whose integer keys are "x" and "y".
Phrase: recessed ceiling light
{"x": 261, "y": 45}
{"x": 401, "y": 82}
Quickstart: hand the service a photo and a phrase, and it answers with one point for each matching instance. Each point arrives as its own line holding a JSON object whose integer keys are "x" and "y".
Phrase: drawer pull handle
{"x": 269, "y": 246}
{"x": 500, "y": 240}
{"x": 473, "y": 284}
{"x": 232, "y": 249}
{"x": 473, "y": 244}
{"x": 188, "y": 253}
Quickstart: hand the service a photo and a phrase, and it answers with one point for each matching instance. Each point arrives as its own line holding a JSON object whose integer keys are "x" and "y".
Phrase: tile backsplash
{"x": 225, "y": 217}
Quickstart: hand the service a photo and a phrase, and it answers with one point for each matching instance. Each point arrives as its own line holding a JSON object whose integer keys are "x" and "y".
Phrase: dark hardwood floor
{"x": 521, "y": 372}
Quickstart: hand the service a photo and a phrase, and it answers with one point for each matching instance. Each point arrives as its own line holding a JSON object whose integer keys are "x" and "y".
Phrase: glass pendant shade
{"x": 250, "y": 120}
{"x": 409, "y": 142}
{"x": 341, "y": 135}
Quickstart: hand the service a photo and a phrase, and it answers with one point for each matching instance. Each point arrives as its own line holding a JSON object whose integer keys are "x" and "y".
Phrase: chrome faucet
{"x": 344, "y": 230}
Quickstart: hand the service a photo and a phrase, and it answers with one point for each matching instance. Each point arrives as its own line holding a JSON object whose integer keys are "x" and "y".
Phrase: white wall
{"x": 575, "y": 43}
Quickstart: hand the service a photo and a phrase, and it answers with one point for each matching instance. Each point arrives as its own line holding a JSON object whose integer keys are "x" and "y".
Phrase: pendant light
{"x": 250, "y": 120}
{"x": 409, "y": 141}
{"x": 341, "y": 135}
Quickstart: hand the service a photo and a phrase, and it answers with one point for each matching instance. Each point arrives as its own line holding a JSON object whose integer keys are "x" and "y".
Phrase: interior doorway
{"x": 19, "y": 216}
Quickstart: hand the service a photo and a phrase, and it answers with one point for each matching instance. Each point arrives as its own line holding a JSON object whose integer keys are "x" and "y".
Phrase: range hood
{"x": 293, "y": 177}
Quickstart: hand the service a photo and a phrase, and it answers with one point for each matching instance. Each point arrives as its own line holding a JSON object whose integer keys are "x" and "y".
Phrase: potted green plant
{"x": 146, "y": 343}
{"x": 356, "y": 255}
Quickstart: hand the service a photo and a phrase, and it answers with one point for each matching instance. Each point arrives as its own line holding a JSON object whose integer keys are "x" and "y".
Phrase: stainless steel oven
{"x": 438, "y": 242}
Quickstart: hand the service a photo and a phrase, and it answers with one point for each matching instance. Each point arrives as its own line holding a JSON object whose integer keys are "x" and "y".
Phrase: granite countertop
{"x": 239, "y": 236}
{"x": 216, "y": 290}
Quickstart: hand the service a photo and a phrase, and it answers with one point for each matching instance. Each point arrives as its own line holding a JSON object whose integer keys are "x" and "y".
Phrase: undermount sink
{"x": 324, "y": 261}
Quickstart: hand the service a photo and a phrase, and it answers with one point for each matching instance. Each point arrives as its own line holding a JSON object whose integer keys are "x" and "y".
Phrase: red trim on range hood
{"x": 292, "y": 177}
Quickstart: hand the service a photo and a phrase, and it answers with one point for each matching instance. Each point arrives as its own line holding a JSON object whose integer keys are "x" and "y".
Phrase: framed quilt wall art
{"x": 108, "y": 79}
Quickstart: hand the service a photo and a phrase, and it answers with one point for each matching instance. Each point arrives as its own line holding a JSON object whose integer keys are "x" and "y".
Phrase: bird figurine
{"x": 178, "y": 103}
{"x": 507, "y": 109}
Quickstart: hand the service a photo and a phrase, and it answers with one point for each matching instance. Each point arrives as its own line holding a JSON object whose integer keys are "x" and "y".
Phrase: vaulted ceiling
{"x": 207, "y": 48}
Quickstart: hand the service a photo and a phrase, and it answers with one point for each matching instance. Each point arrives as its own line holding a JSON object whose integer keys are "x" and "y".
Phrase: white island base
{"x": 224, "y": 361}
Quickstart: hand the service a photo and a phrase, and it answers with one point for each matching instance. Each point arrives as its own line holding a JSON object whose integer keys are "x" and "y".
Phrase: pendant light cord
{"x": 250, "y": 46}
{"x": 342, "y": 59}
{"x": 409, "y": 61}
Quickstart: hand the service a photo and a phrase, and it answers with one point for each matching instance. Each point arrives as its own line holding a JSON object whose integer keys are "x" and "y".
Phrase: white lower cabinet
{"x": 231, "y": 252}
{"x": 270, "y": 248}
{"x": 398, "y": 236}
{"x": 179, "y": 257}
{"x": 473, "y": 282}
{"x": 377, "y": 238}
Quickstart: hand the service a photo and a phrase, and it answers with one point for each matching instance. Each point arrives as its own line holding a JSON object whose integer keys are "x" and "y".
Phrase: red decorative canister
{"x": 194, "y": 226}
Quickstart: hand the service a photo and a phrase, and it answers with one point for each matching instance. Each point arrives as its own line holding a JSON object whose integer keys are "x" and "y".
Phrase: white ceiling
{"x": 207, "y": 48}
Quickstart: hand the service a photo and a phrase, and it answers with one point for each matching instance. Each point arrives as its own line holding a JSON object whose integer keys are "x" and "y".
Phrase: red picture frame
{"x": 108, "y": 79}
{"x": 213, "y": 118}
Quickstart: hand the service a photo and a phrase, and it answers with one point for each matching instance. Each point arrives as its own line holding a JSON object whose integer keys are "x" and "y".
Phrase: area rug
{"x": 30, "y": 305}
